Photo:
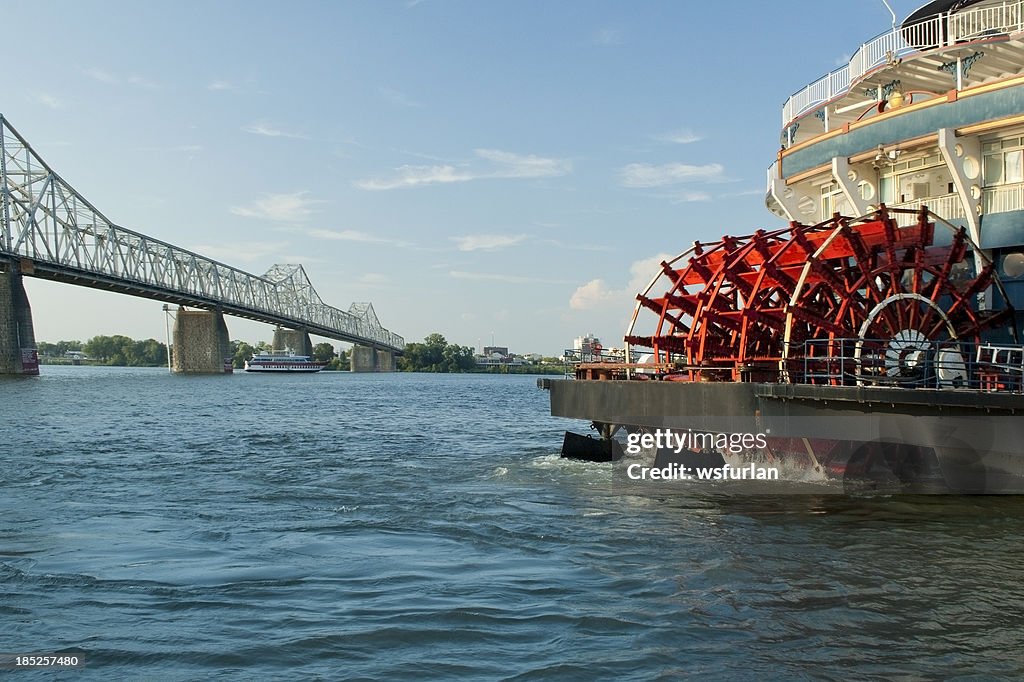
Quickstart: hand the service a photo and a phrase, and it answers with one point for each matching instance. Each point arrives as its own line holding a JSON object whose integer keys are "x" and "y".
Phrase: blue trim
{"x": 1000, "y": 230}
{"x": 984, "y": 107}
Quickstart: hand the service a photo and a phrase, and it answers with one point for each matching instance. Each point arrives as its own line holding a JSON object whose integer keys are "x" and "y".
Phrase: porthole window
{"x": 867, "y": 190}
{"x": 1013, "y": 264}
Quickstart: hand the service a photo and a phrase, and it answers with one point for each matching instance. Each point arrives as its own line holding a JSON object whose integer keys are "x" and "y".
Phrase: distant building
{"x": 499, "y": 356}
{"x": 585, "y": 349}
{"x": 586, "y": 344}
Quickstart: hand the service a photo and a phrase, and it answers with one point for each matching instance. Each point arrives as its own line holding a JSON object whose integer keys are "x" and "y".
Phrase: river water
{"x": 399, "y": 526}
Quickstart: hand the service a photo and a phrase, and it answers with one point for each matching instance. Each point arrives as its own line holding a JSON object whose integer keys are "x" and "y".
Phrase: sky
{"x": 504, "y": 173}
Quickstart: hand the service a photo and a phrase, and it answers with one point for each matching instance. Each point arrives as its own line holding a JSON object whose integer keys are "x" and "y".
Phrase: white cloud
{"x": 290, "y": 208}
{"x": 593, "y": 294}
{"x": 487, "y": 242}
{"x": 47, "y": 100}
{"x": 497, "y": 277}
{"x": 102, "y": 76}
{"x": 354, "y": 236}
{"x": 268, "y": 130}
{"x": 523, "y": 165}
{"x": 684, "y": 136}
{"x": 114, "y": 79}
{"x": 411, "y": 176}
{"x": 242, "y": 252}
{"x": 142, "y": 82}
{"x": 220, "y": 85}
{"x": 502, "y": 165}
{"x": 598, "y": 294}
{"x": 647, "y": 175}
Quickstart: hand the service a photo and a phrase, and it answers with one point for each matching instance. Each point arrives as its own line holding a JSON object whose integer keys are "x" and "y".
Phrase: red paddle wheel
{"x": 836, "y": 302}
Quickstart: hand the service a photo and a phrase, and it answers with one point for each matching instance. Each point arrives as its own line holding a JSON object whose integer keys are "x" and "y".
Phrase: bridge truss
{"x": 52, "y": 231}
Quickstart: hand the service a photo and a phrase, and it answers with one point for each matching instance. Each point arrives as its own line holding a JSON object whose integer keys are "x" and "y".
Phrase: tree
{"x": 122, "y": 351}
{"x": 324, "y": 352}
{"x": 340, "y": 363}
{"x": 435, "y": 354}
{"x": 240, "y": 352}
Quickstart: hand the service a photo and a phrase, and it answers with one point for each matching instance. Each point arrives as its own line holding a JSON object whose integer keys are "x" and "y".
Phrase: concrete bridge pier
{"x": 17, "y": 338}
{"x": 385, "y": 361}
{"x": 295, "y": 339}
{"x": 201, "y": 343}
{"x": 369, "y": 359}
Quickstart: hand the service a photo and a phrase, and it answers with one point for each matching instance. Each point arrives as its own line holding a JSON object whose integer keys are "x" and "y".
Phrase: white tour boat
{"x": 282, "y": 361}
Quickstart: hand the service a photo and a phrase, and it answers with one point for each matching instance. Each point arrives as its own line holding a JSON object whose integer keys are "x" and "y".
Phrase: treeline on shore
{"x": 435, "y": 354}
{"x": 122, "y": 351}
{"x": 115, "y": 351}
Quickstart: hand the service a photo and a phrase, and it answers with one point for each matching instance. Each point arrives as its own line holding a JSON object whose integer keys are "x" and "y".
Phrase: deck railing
{"x": 919, "y": 364}
{"x": 937, "y": 31}
{"x": 1004, "y": 198}
{"x": 948, "y": 206}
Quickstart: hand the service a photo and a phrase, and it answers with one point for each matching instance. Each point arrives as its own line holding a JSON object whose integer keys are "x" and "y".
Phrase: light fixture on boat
{"x": 895, "y": 100}
{"x": 886, "y": 158}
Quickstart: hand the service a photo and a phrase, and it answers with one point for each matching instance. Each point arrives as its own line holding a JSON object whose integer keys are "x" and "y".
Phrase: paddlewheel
{"x": 844, "y": 301}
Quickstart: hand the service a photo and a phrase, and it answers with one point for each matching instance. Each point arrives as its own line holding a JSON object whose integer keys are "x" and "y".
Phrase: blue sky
{"x": 505, "y": 170}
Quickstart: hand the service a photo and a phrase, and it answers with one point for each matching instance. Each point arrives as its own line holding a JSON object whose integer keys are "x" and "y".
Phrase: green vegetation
{"x": 117, "y": 351}
{"x": 54, "y": 353}
{"x": 435, "y": 354}
{"x": 121, "y": 351}
{"x": 324, "y": 352}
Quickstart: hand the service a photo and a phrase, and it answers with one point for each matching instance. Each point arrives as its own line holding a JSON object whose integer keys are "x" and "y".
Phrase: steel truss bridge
{"x": 51, "y": 231}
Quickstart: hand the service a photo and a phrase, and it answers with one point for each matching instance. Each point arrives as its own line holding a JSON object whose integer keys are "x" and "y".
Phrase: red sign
{"x": 29, "y": 361}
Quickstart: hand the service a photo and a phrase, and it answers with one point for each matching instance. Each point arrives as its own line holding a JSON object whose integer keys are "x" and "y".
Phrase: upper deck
{"x": 924, "y": 58}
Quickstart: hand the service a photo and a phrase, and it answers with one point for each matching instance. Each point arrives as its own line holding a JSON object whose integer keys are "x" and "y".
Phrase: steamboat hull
{"x": 918, "y": 440}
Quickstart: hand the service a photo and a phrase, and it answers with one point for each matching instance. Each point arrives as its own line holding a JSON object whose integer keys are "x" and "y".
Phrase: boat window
{"x": 1006, "y": 165}
{"x": 1013, "y": 264}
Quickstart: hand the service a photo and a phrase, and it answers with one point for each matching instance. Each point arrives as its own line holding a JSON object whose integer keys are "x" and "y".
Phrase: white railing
{"x": 947, "y": 206}
{"x": 882, "y": 49}
{"x": 937, "y": 31}
{"x": 986, "y": 21}
{"x": 1003, "y": 198}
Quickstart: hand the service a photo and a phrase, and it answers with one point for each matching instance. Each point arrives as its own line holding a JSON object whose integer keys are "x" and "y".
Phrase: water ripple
{"x": 419, "y": 527}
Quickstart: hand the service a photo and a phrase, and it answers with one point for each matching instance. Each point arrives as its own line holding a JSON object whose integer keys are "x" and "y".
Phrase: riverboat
{"x": 282, "y": 361}
{"x": 875, "y": 335}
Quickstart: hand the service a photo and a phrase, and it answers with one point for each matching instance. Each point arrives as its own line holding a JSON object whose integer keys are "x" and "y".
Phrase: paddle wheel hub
{"x": 846, "y": 300}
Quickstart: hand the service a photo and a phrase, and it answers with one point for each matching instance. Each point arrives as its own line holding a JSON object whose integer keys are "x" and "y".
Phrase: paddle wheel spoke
{"x": 862, "y": 298}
